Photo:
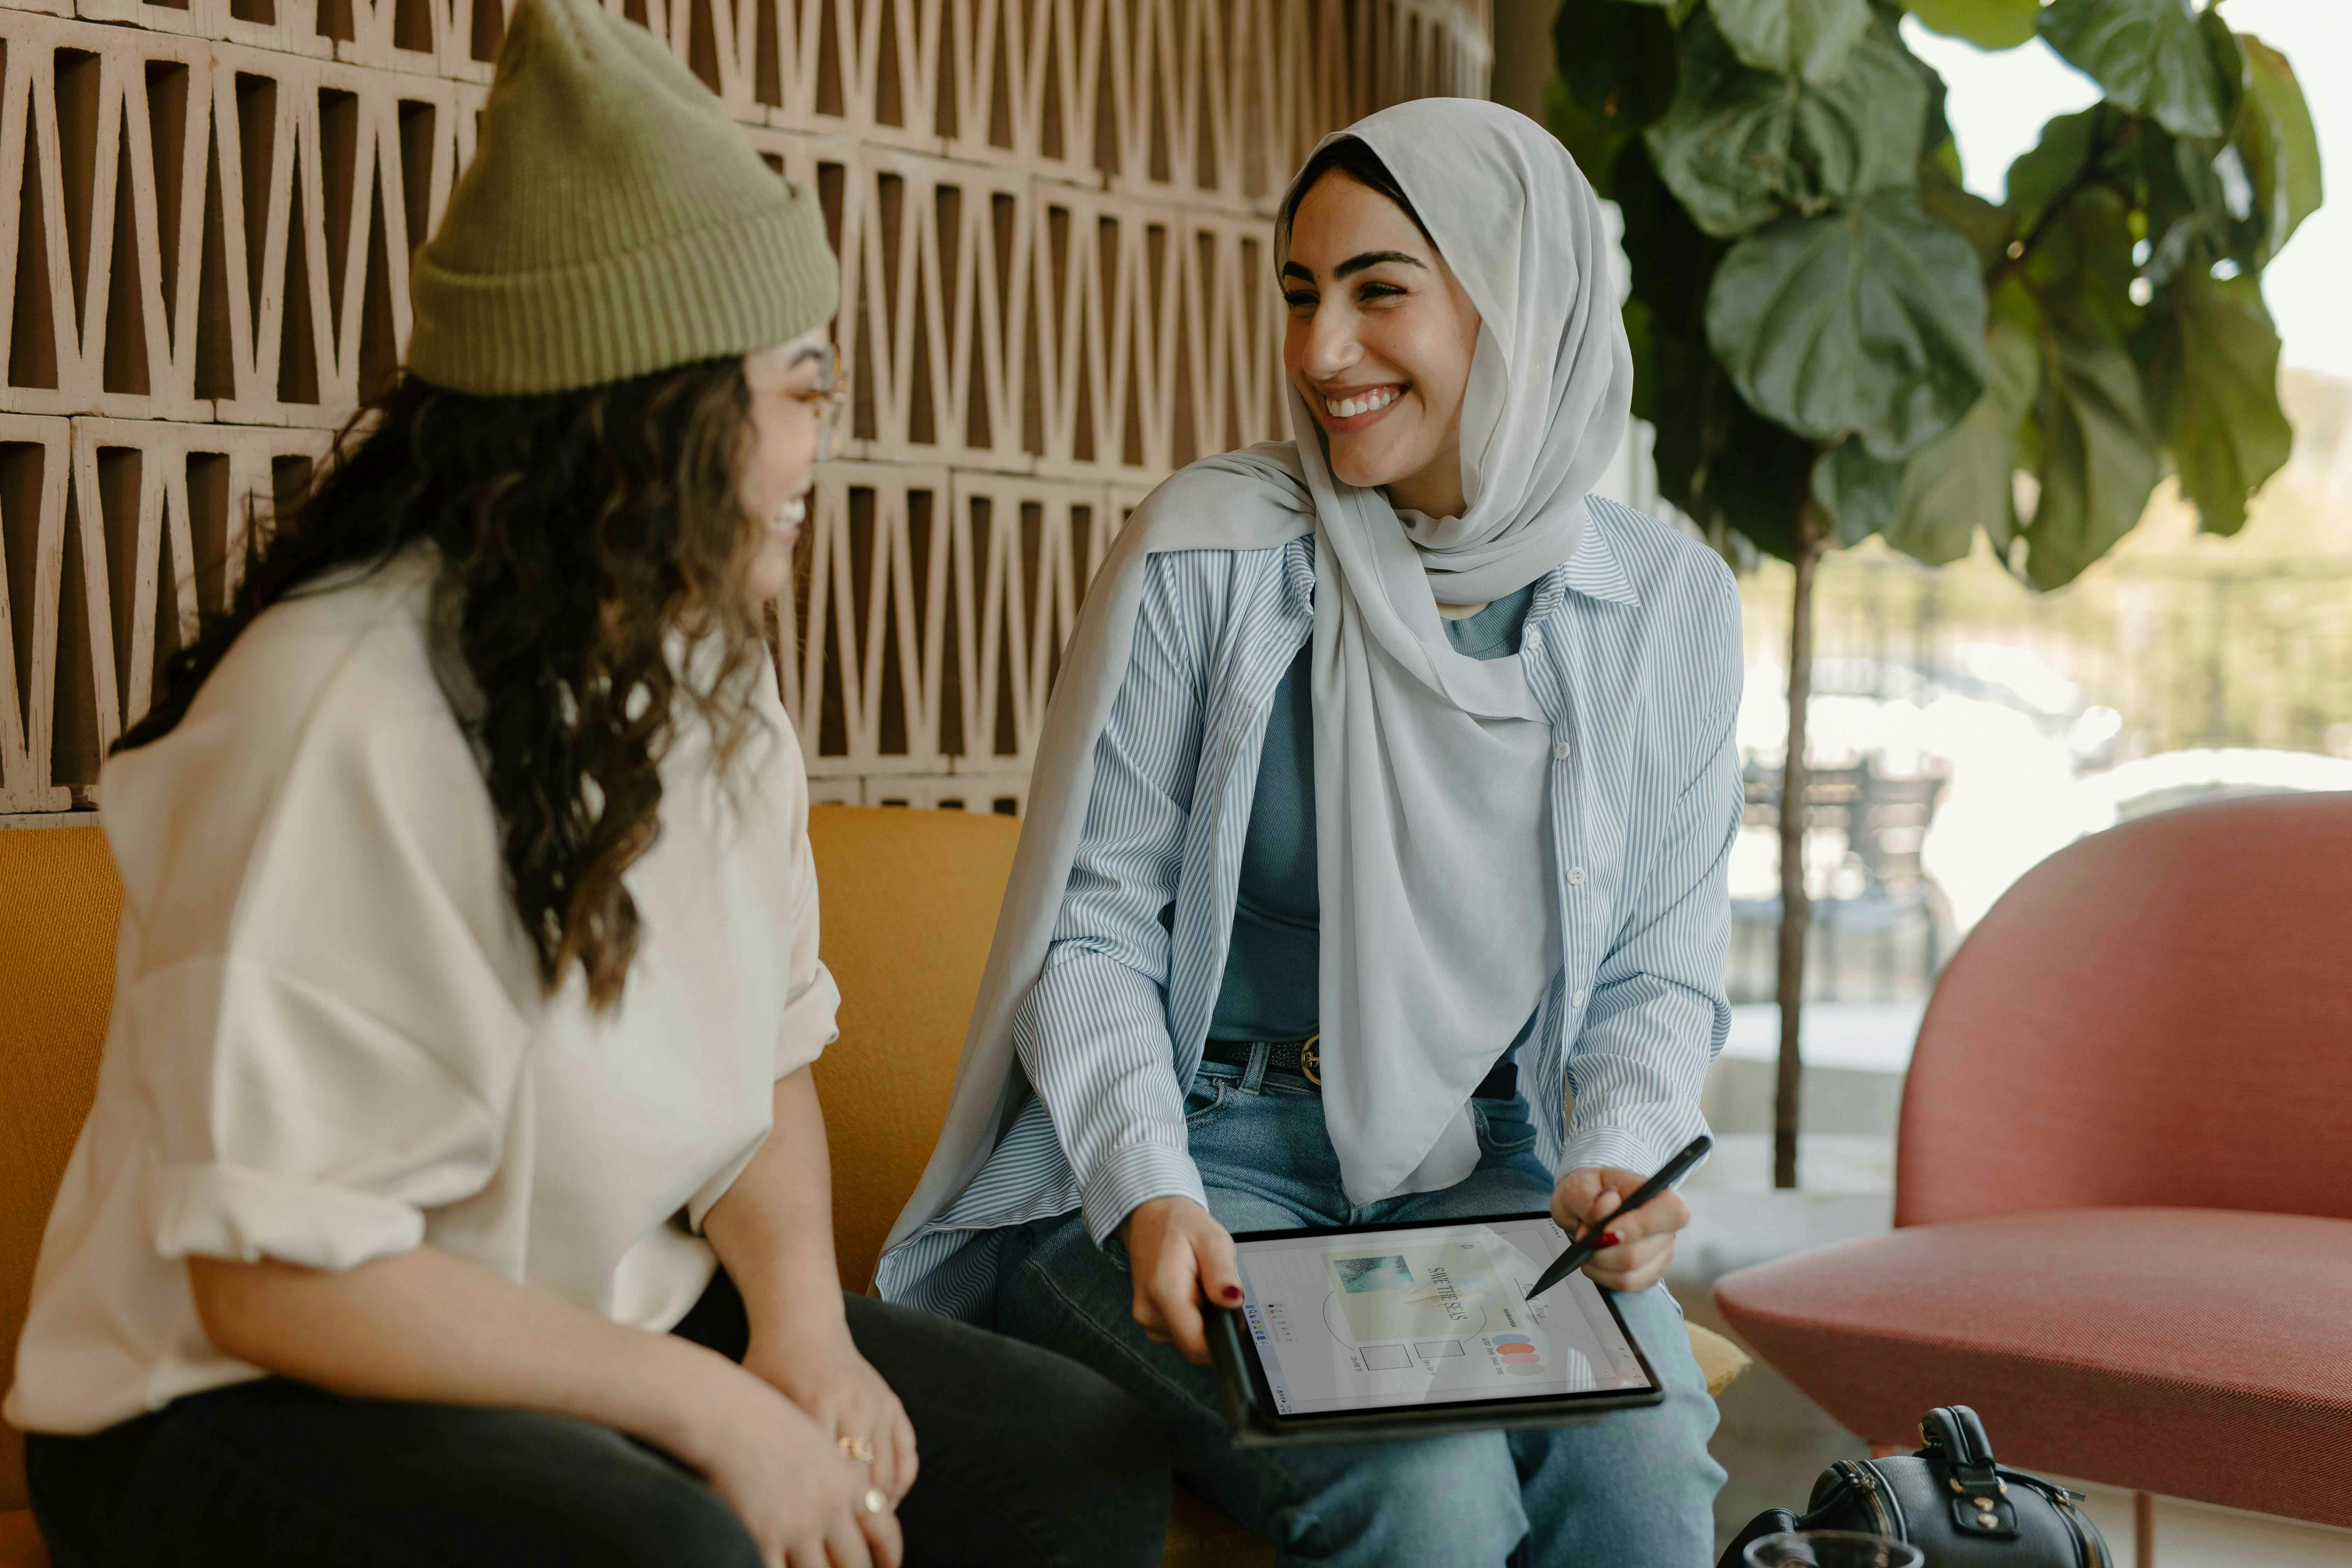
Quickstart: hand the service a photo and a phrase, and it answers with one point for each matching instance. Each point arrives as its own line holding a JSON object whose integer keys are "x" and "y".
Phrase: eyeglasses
{"x": 827, "y": 403}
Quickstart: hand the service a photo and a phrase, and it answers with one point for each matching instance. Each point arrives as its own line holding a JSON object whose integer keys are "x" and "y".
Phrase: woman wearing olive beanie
{"x": 455, "y": 1125}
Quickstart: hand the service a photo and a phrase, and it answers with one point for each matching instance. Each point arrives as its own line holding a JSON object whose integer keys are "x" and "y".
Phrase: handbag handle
{"x": 1978, "y": 1498}
{"x": 1953, "y": 1434}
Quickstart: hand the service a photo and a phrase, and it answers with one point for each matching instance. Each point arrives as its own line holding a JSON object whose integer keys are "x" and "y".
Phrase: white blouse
{"x": 329, "y": 1041}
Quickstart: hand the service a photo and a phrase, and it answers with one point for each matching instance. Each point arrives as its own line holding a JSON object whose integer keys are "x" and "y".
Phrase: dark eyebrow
{"x": 805, "y": 353}
{"x": 1355, "y": 264}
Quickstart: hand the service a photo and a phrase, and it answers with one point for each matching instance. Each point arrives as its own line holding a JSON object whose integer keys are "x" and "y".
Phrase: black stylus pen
{"x": 1568, "y": 1262}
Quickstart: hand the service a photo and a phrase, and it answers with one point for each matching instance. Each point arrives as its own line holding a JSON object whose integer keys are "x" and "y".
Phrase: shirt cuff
{"x": 1129, "y": 1176}
{"x": 811, "y": 1023}
{"x": 235, "y": 1212}
{"x": 1609, "y": 1147}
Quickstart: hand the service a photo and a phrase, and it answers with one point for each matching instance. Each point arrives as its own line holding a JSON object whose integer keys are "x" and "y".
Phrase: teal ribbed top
{"x": 1273, "y": 964}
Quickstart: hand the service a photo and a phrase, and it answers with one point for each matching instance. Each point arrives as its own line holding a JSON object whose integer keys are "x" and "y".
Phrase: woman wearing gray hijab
{"x": 1383, "y": 810}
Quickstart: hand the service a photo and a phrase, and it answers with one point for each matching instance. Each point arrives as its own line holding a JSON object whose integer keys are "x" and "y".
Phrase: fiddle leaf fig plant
{"x": 1833, "y": 339}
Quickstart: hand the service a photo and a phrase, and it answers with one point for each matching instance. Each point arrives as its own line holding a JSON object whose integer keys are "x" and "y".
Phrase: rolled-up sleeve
{"x": 811, "y": 1000}
{"x": 1093, "y": 1033}
{"x": 310, "y": 1132}
{"x": 221, "y": 1210}
{"x": 1659, "y": 1013}
{"x": 337, "y": 1056}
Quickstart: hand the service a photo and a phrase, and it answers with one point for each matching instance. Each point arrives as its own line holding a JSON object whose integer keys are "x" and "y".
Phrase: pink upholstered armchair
{"x": 2123, "y": 1178}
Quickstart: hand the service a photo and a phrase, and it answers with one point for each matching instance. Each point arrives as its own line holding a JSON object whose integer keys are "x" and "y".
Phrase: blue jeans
{"x": 1632, "y": 1490}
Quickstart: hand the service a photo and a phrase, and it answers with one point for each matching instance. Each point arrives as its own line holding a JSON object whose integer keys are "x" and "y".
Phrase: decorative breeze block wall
{"x": 1052, "y": 218}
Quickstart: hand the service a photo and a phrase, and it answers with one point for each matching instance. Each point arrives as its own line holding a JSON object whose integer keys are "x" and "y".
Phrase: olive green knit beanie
{"x": 614, "y": 221}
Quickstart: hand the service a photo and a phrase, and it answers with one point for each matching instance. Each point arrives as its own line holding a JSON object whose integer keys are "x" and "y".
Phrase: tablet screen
{"x": 1346, "y": 1322}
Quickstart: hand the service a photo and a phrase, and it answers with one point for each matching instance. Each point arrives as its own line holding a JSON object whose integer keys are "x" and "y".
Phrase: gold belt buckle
{"x": 1310, "y": 1059}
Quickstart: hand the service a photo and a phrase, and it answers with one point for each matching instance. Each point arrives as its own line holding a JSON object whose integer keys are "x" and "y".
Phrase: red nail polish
{"x": 1608, "y": 1238}
{"x": 1233, "y": 1294}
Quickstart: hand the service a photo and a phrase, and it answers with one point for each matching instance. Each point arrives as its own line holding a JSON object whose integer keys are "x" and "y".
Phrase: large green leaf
{"x": 1678, "y": 387}
{"x": 1724, "y": 145}
{"x": 2211, "y": 357}
{"x": 1688, "y": 406}
{"x": 2186, "y": 203}
{"x": 1985, "y": 227}
{"x": 1869, "y": 322}
{"x": 2229, "y": 62}
{"x": 1988, "y": 24}
{"x": 1671, "y": 261}
{"x": 1740, "y": 145}
{"x": 2072, "y": 150}
{"x": 1756, "y": 480}
{"x": 1640, "y": 342}
{"x": 2081, "y": 270}
{"x": 2089, "y": 439}
{"x": 2011, "y": 305}
{"x": 2281, "y": 150}
{"x": 1716, "y": 460}
{"x": 1589, "y": 139}
{"x": 2097, "y": 457}
{"x": 1807, "y": 39}
{"x": 2148, "y": 56}
{"x": 1939, "y": 153}
{"x": 1617, "y": 58}
{"x": 2054, "y": 160}
{"x": 1857, "y": 490}
{"x": 1965, "y": 481}
{"x": 2069, "y": 188}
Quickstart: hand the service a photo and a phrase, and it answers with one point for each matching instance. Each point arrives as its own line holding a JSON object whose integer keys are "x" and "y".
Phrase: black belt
{"x": 1304, "y": 1058}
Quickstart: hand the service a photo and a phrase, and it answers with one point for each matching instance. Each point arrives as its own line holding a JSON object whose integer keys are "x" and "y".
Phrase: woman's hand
{"x": 772, "y": 1229}
{"x": 801, "y": 1498}
{"x": 1178, "y": 1254}
{"x": 840, "y": 1391}
{"x": 1634, "y": 1250}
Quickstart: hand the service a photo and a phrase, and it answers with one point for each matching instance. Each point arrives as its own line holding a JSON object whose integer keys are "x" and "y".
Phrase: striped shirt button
{"x": 1576, "y": 876}
{"x": 1560, "y": 750}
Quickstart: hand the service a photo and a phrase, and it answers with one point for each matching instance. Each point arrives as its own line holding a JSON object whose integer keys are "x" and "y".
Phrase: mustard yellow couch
{"x": 910, "y": 899}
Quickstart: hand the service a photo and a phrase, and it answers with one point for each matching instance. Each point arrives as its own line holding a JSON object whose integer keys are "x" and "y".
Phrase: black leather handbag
{"x": 1951, "y": 1500}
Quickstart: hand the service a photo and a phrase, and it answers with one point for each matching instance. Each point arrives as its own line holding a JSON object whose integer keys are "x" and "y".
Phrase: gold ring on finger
{"x": 856, "y": 1448}
{"x": 874, "y": 1501}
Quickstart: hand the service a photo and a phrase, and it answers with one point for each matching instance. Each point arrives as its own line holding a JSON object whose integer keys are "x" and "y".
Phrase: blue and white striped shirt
{"x": 1632, "y": 648}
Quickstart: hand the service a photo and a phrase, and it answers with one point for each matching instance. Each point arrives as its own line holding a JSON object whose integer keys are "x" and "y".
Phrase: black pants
{"x": 1025, "y": 1458}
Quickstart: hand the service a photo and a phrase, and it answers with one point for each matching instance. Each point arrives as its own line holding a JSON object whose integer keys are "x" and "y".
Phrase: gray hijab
{"x": 1440, "y": 926}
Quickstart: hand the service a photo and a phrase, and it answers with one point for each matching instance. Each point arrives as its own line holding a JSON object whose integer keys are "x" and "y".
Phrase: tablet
{"x": 1400, "y": 1330}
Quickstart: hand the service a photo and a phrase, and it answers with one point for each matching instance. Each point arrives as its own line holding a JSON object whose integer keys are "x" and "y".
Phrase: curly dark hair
{"x": 575, "y": 533}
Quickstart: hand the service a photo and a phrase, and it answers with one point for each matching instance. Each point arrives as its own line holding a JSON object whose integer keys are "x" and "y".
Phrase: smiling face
{"x": 1379, "y": 344}
{"x": 785, "y": 432}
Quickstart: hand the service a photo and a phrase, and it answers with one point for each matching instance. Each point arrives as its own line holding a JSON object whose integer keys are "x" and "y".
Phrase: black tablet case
{"x": 1254, "y": 1422}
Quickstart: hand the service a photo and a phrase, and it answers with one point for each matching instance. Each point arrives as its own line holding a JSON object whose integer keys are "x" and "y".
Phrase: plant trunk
{"x": 1796, "y": 909}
